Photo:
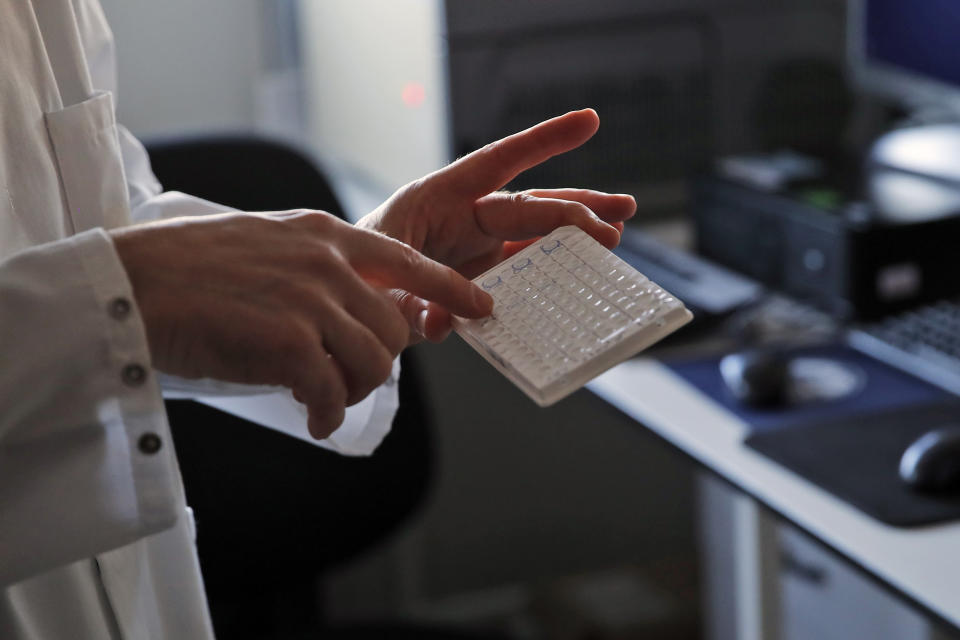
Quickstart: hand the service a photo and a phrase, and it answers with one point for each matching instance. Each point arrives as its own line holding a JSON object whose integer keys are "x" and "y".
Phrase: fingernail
{"x": 422, "y": 323}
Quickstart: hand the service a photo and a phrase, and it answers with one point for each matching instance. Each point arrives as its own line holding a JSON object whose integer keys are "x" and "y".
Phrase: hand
{"x": 457, "y": 217}
{"x": 292, "y": 299}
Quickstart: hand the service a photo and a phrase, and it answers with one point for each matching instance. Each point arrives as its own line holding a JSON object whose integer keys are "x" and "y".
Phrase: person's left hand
{"x": 456, "y": 215}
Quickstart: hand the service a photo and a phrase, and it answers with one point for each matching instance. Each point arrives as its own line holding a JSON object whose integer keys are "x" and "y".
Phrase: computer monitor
{"x": 908, "y": 50}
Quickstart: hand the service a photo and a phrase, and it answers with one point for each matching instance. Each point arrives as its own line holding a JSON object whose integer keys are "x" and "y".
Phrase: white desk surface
{"x": 922, "y": 563}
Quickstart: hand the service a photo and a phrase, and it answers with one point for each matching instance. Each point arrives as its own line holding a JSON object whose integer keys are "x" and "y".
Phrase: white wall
{"x": 198, "y": 66}
{"x": 358, "y": 57}
{"x": 186, "y": 66}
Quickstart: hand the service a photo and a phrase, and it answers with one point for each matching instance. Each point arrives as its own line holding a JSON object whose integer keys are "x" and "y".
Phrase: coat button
{"x": 134, "y": 375}
{"x": 149, "y": 443}
{"x": 119, "y": 308}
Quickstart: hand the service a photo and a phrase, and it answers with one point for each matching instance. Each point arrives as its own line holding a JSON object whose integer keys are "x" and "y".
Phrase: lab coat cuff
{"x": 138, "y": 403}
{"x": 364, "y": 427}
{"x": 363, "y": 442}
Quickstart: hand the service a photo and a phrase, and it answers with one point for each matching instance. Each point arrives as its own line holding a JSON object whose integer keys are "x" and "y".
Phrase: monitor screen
{"x": 909, "y": 50}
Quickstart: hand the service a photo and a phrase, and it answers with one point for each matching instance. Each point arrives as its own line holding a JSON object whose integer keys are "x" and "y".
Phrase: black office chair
{"x": 274, "y": 513}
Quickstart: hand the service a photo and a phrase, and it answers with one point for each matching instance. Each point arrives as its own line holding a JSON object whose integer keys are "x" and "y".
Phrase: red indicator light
{"x": 413, "y": 94}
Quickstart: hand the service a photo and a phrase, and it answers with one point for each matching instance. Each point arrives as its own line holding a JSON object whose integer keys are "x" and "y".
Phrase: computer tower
{"x": 844, "y": 258}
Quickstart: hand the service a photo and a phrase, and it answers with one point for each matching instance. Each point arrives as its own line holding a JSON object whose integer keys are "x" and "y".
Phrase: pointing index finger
{"x": 390, "y": 263}
{"x": 496, "y": 164}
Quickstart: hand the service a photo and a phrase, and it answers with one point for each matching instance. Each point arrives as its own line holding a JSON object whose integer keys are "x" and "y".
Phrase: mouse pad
{"x": 856, "y": 458}
{"x": 882, "y": 388}
{"x": 849, "y": 446}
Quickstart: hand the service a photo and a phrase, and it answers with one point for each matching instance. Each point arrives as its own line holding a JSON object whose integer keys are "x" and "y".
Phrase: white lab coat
{"x": 95, "y": 536}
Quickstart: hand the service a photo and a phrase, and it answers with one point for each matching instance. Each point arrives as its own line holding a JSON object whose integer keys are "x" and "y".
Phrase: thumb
{"x": 427, "y": 320}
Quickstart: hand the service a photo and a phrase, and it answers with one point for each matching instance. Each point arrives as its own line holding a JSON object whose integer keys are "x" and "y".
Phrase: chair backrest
{"x": 272, "y": 511}
{"x": 242, "y": 171}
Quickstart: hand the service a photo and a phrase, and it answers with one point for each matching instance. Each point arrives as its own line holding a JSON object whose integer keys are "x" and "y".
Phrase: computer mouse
{"x": 932, "y": 462}
{"x": 758, "y": 378}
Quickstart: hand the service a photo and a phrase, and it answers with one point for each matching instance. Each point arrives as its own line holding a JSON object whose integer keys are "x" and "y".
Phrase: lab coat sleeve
{"x": 86, "y": 460}
{"x": 365, "y": 424}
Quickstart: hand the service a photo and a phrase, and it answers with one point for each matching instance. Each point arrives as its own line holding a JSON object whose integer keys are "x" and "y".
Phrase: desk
{"x": 922, "y": 565}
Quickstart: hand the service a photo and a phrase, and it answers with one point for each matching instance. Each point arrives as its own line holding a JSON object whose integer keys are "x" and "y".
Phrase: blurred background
{"x": 574, "y": 521}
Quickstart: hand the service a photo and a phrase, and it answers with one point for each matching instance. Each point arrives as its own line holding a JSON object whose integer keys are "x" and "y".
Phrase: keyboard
{"x": 566, "y": 309}
{"x": 708, "y": 289}
{"x": 924, "y": 341}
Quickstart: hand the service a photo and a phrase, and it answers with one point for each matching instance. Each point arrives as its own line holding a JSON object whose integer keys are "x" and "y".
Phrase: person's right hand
{"x": 293, "y": 299}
